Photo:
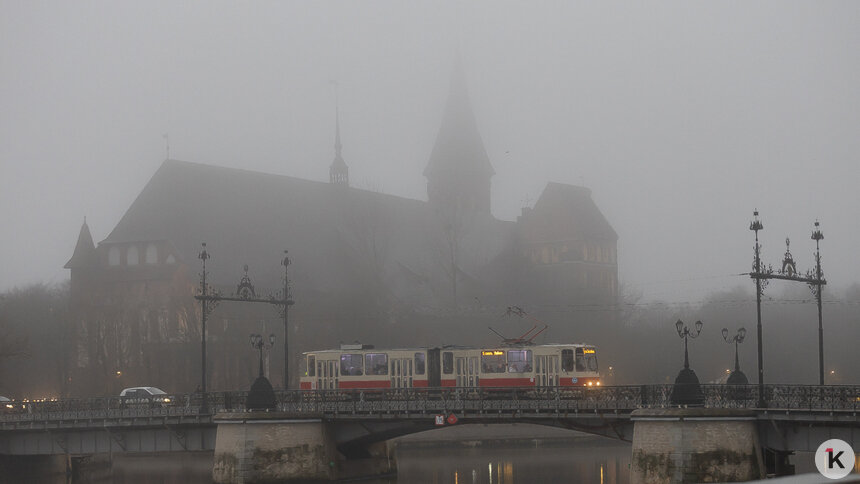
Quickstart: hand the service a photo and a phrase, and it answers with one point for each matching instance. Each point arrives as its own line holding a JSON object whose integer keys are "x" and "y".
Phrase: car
{"x": 7, "y": 404}
{"x": 144, "y": 395}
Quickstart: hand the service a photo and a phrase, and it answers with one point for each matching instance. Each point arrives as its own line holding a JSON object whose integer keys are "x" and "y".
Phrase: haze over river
{"x": 495, "y": 454}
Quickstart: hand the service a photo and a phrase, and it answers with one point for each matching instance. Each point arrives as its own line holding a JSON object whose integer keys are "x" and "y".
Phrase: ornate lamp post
{"x": 755, "y": 226}
{"x": 687, "y": 390}
{"x": 203, "y": 256}
{"x": 737, "y": 377}
{"x": 262, "y": 395}
{"x": 817, "y": 236}
{"x": 286, "y": 314}
{"x": 258, "y": 343}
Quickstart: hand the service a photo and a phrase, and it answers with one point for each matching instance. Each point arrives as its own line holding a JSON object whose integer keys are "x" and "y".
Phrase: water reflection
{"x": 584, "y": 460}
{"x": 435, "y": 459}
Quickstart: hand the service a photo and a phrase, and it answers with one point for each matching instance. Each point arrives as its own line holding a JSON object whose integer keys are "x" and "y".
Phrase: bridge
{"x": 355, "y": 422}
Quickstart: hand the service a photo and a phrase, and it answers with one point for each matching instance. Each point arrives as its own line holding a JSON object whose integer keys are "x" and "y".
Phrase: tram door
{"x": 546, "y": 370}
{"x": 327, "y": 374}
{"x": 401, "y": 373}
{"x": 467, "y": 371}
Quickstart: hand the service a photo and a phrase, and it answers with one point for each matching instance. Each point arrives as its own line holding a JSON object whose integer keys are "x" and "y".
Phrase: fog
{"x": 682, "y": 118}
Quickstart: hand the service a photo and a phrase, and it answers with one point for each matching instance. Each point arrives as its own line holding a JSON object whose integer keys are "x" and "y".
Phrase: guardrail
{"x": 617, "y": 399}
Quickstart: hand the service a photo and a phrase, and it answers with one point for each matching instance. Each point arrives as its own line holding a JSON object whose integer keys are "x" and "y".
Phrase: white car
{"x": 8, "y": 404}
{"x": 141, "y": 395}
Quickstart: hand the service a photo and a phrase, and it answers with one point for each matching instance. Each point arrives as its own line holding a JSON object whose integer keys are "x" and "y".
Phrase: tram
{"x": 361, "y": 366}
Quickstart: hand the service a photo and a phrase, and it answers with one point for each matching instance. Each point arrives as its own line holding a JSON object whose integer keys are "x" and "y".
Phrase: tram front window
{"x": 580, "y": 360}
{"x": 591, "y": 362}
{"x": 586, "y": 359}
{"x": 351, "y": 364}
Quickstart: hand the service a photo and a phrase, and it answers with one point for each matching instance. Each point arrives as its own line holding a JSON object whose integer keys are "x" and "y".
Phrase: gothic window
{"x": 170, "y": 259}
{"x": 113, "y": 256}
{"x": 151, "y": 254}
{"x": 132, "y": 258}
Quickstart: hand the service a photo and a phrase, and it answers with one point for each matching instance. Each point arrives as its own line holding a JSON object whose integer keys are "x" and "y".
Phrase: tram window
{"x": 350, "y": 364}
{"x": 591, "y": 362}
{"x": 519, "y": 361}
{"x": 312, "y": 366}
{"x": 419, "y": 363}
{"x": 580, "y": 362}
{"x": 376, "y": 363}
{"x": 447, "y": 362}
{"x": 493, "y": 361}
{"x": 567, "y": 360}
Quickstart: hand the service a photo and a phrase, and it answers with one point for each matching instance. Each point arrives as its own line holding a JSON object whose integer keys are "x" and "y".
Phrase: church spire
{"x": 84, "y": 250}
{"x": 338, "y": 172}
{"x": 459, "y": 168}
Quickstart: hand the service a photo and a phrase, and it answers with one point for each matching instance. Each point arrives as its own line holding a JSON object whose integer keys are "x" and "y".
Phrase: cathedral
{"x": 366, "y": 266}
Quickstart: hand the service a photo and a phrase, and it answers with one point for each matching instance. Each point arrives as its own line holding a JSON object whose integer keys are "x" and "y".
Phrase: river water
{"x": 471, "y": 454}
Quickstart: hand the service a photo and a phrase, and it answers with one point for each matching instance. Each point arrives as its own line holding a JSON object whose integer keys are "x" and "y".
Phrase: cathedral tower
{"x": 459, "y": 171}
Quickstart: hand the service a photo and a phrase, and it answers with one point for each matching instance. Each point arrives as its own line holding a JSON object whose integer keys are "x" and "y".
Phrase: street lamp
{"x": 203, "y": 256}
{"x": 687, "y": 390}
{"x": 755, "y": 226}
{"x": 737, "y": 377}
{"x": 258, "y": 343}
{"x": 817, "y": 236}
{"x": 262, "y": 395}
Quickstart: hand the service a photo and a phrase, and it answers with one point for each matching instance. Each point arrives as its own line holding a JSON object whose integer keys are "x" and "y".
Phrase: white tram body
{"x": 364, "y": 367}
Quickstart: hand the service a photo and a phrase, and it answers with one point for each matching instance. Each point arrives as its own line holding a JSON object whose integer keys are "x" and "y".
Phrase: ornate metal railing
{"x": 414, "y": 402}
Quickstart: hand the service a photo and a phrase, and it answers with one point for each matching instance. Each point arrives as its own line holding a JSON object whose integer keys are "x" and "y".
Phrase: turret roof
{"x": 84, "y": 249}
{"x": 458, "y": 147}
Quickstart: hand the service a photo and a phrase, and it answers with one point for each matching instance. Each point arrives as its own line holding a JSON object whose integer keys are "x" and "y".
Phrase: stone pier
{"x": 691, "y": 445}
{"x": 268, "y": 447}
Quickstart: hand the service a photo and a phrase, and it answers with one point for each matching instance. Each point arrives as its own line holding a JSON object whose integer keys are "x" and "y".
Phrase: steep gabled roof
{"x": 336, "y": 236}
{"x": 84, "y": 249}
{"x": 566, "y": 212}
{"x": 458, "y": 147}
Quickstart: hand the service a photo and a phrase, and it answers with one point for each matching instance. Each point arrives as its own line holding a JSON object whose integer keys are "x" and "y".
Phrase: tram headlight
{"x": 590, "y": 383}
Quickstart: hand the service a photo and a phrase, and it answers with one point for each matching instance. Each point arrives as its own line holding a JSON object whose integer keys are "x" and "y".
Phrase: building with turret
{"x": 365, "y": 265}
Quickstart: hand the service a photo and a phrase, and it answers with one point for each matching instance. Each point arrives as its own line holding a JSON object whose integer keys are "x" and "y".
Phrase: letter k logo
{"x": 834, "y": 459}
{"x": 831, "y": 459}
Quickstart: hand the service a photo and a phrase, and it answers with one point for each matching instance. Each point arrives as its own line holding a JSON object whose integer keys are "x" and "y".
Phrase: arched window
{"x": 151, "y": 254}
{"x": 113, "y": 256}
{"x": 132, "y": 258}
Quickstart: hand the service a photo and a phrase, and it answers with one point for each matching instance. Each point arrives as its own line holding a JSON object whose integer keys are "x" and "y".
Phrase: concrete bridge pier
{"x": 687, "y": 445}
{"x": 262, "y": 447}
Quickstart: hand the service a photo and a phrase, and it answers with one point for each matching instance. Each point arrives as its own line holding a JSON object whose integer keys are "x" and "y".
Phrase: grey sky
{"x": 682, "y": 118}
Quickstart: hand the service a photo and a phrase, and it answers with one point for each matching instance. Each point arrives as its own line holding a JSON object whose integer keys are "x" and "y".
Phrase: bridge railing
{"x": 485, "y": 400}
{"x": 508, "y": 401}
